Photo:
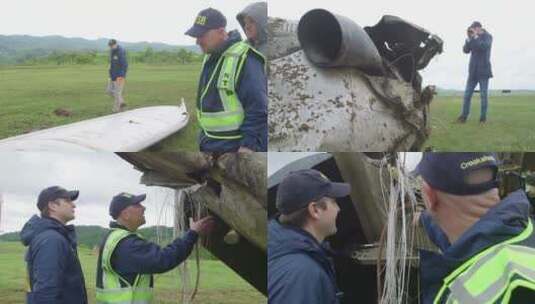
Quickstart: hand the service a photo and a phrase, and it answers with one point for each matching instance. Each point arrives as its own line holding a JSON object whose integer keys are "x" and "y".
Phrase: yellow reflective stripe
{"x": 124, "y": 295}
{"x": 232, "y": 116}
{"x": 228, "y": 75}
{"x": 489, "y": 278}
{"x": 211, "y": 135}
{"x": 205, "y": 90}
{"x": 218, "y": 122}
{"x": 112, "y": 292}
{"x": 113, "y": 239}
{"x": 448, "y": 280}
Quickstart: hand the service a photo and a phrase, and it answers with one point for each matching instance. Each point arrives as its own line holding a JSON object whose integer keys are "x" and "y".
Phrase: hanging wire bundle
{"x": 186, "y": 204}
{"x": 398, "y": 236}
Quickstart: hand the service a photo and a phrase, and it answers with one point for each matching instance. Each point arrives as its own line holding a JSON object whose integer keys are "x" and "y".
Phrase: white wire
{"x": 399, "y": 236}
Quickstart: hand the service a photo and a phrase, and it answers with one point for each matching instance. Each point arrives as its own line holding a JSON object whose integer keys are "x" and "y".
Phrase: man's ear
{"x": 313, "y": 210}
{"x": 430, "y": 197}
{"x": 52, "y": 205}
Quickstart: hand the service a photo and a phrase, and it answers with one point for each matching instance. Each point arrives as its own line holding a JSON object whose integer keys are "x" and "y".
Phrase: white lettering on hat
{"x": 127, "y": 195}
{"x": 477, "y": 161}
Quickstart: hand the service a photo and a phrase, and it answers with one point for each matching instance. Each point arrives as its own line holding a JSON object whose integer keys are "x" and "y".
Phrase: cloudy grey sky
{"x": 277, "y": 160}
{"x": 98, "y": 177}
{"x": 127, "y": 20}
{"x": 513, "y": 54}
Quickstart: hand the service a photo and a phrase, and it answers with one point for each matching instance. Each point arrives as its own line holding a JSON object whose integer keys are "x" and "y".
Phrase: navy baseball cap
{"x": 122, "y": 200}
{"x": 53, "y": 193}
{"x": 301, "y": 187}
{"x": 208, "y": 19}
{"x": 476, "y": 24}
{"x": 448, "y": 171}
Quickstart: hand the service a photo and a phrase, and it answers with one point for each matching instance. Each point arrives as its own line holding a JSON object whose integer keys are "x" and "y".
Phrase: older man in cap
{"x": 297, "y": 251}
{"x": 53, "y": 269}
{"x": 126, "y": 262}
{"x": 478, "y": 45}
{"x": 232, "y": 91}
{"x": 487, "y": 245}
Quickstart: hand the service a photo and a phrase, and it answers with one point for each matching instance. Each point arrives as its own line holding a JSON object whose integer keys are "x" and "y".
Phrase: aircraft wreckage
{"x": 231, "y": 187}
{"x": 360, "y": 244}
{"x": 335, "y": 86}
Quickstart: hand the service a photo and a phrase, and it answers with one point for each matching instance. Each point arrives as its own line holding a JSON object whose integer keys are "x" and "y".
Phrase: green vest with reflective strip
{"x": 113, "y": 291}
{"x": 492, "y": 275}
{"x": 225, "y": 124}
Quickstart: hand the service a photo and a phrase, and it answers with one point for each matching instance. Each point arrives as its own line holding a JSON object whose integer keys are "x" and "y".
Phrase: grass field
{"x": 218, "y": 284}
{"x": 29, "y": 95}
{"x": 509, "y": 127}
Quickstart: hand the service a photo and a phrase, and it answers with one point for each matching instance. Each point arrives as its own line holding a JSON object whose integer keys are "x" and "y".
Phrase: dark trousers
{"x": 483, "y": 88}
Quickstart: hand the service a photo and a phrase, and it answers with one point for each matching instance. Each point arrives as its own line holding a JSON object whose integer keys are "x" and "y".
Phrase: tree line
{"x": 149, "y": 55}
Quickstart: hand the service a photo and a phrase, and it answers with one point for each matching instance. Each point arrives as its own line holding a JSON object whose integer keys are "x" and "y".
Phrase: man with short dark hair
{"x": 299, "y": 265}
{"x": 232, "y": 91}
{"x": 53, "y": 268}
{"x": 127, "y": 262}
{"x": 117, "y": 72}
{"x": 487, "y": 245}
{"x": 478, "y": 45}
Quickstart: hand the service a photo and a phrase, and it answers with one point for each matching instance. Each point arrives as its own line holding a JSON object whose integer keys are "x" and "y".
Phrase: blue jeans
{"x": 483, "y": 88}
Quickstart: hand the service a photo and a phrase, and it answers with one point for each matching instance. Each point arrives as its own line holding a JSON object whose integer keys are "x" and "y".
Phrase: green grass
{"x": 30, "y": 94}
{"x": 509, "y": 127}
{"x": 218, "y": 284}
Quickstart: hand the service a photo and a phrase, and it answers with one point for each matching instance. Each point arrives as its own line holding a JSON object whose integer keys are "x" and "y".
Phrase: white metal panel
{"x": 128, "y": 131}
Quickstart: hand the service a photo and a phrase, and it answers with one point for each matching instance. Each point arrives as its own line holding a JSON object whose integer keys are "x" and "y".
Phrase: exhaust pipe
{"x": 331, "y": 40}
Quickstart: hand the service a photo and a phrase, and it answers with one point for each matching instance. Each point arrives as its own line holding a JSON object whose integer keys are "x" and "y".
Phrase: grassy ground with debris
{"x": 30, "y": 94}
{"x": 509, "y": 127}
{"x": 218, "y": 284}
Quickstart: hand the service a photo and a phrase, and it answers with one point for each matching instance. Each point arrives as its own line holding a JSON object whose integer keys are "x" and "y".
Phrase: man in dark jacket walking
{"x": 299, "y": 266}
{"x": 126, "y": 261}
{"x": 478, "y": 45}
{"x": 232, "y": 92}
{"x": 487, "y": 245}
{"x": 53, "y": 268}
{"x": 117, "y": 73}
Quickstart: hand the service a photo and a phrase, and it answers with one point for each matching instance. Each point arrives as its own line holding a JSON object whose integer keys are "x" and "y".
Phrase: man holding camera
{"x": 478, "y": 45}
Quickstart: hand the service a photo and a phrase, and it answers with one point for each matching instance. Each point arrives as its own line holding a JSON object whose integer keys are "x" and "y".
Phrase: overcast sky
{"x": 513, "y": 55}
{"x": 277, "y": 160}
{"x": 98, "y": 177}
{"x": 126, "y": 20}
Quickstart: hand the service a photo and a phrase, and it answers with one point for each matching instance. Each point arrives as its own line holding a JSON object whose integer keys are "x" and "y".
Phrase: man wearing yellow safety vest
{"x": 232, "y": 91}
{"x": 126, "y": 261}
{"x": 487, "y": 245}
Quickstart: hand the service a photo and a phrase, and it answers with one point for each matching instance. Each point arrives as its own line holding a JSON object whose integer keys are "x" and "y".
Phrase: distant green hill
{"x": 19, "y": 48}
{"x": 90, "y": 236}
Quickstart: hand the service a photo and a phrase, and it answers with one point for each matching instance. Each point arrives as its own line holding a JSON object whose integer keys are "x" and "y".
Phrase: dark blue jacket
{"x": 118, "y": 63}
{"x": 502, "y": 222}
{"x": 134, "y": 255}
{"x": 54, "y": 268}
{"x": 299, "y": 269}
{"x": 479, "y": 67}
{"x": 252, "y": 93}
